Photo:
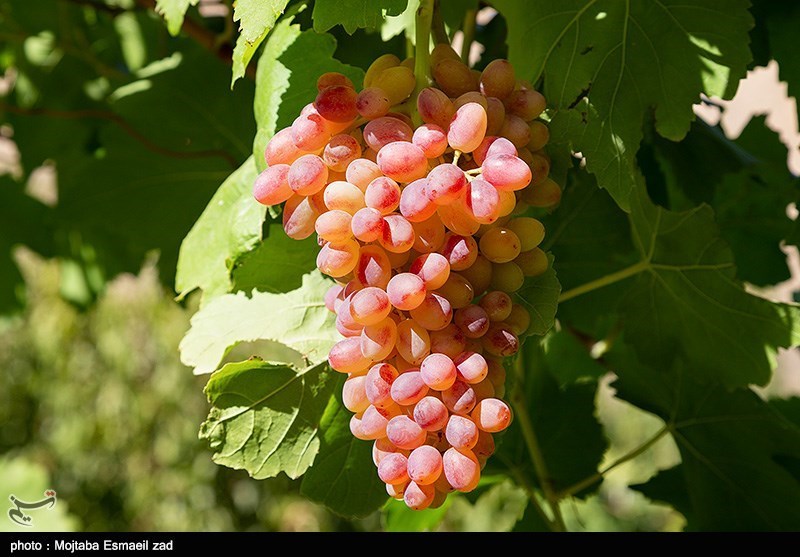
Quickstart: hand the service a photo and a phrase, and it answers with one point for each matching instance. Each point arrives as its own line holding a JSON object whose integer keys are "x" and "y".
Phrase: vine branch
{"x": 594, "y": 478}
{"x": 422, "y": 58}
{"x": 438, "y": 29}
{"x": 468, "y": 30}
{"x": 605, "y": 280}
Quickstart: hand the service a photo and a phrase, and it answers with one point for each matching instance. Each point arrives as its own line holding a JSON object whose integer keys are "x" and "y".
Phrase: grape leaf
{"x": 354, "y": 14}
{"x": 568, "y": 360}
{"x": 453, "y": 11}
{"x": 669, "y": 486}
{"x": 531, "y": 521}
{"x": 343, "y": 477}
{"x": 277, "y": 264}
{"x": 229, "y": 227}
{"x": 397, "y": 517}
{"x": 286, "y": 79}
{"x": 776, "y": 25}
{"x": 590, "y": 237}
{"x": 257, "y": 17}
{"x": 723, "y": 437}
{"x": 265, "y": 417}
{"x": 688, "y": 302}
{"x": 605, "y": 63}
{"x": 539, "y": 295}
{"x": 405, "y": 22}
{"x": 297, "y": 319}
{"x": 570, "y": 437}
{"x": 173, "y": 12}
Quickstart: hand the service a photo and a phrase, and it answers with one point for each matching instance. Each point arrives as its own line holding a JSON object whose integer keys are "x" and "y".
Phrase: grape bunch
{"x": 422, "y": 231}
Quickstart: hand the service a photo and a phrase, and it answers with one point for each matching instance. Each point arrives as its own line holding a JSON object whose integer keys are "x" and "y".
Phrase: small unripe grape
{"x": 479, "y": 275}
{"x": 546, "y": 194}
{"x": 495, "y": 116}
{"x": 529, "y": 231}
{"x": 526, "y": 103}
{"x": 519, "y": 321}
{"x": 507, "y": 277}
{"x": 434, "y": 313}
{"x": 449, "y": 341}
{"x": 429, "y": 234}
{"x": 498, "y": 79}
{"x": 516, "y": 130}
{"x": 453, "y": 77}
{"x": 532, "y": 263}
{"x": 540, "y": 135}
{"x": 397, "y": 82}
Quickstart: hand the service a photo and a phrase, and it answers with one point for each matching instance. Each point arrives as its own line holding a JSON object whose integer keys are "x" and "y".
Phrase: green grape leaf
{"x": 606, "y": 63}
{"x": 570, "y": 437}
{"x": 397, "y": 517}
{"x": 687, "y": 301}
{"x": 539, "y": 295}
{"x": 737, "y": 452}
{"x": 531, "y": 521}
{"x": 569, "y": 360}
{"x": 286, "y": 79}
{"x": 265, "y": 417}
{"x": 277, "y": 264}
{"x": 229, "y": 227}
{"x": 776, "y": 26}
{"x": 590, "y": 237}
{"x": 343, "y": 477}
{"x": 173, "y": 12}
{"x": 454, "y": 11}
{"x": 257, "y": 17}
{"x": 297, "y": 319}
{"x": 354, "y": 14}
{"x": 669, "y": 486}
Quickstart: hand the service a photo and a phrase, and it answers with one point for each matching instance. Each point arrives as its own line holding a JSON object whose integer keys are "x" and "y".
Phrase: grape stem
{"x": 474, "y": 171}
{"x": 456, "y": 155}
{"x": 534, "y": 450}
{"x": 468, "y": 30}
{"x": 422, "y": 58}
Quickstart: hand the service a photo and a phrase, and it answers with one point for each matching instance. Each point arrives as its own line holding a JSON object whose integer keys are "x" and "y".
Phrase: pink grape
{"x": 336, "y": 260}
{"x": 482, "y": 201}
{"x": 408, "y": 388}
{"x": 382, "y": 447}
{"x": 506, "y": 172}
{"x": 460, "y": 251}
{"x": 398, "y": 234}
{"x": 329, "y": 79}
{"x": 345, "y": 356}
{"x": 272, "y": 185}
{"x": 461, "y": 432}
{"x": 495, "y": 115}
{"x": 343, "y": 196}
{"x": 334, "y": 226}
{"x": 337, "y": 103}
{"x": 472, "y": 320}
{"x": 373, "y": 267}
{"x": 449, "y": 341}
{"x": 299, "y": 217}
{"x": 484, "y": 448}
{"x": 402, "y": 161}
{"x": 367, "y": 224}
{"x": 406, "y": 291}
{"x": 424, "y": 465}
{"x": 501, "y": 341}
{"x": 432, "y": 139}
{"x": 446, "y": 183}
{"x": 382, "y": 131}
{"x": 374, "y": 421}
{"x": 340, "y": 151}
{"x": 457, "y": 220}
{"x": 310, "y": 132}
{"x": 434, "y": 313}
{"x": 460, "y": 398}
{"x": 429, "y": 234}
{"x": 404, "y": 432}
{"x": 435, "y": 107}
{"x": 332, "y": 297}
{"x": 432, "y": 268}
{"x": 354, "y": 395}
{"x": 361, "y": 172}
{"x": 516, "y": 130}
{"x": 431, "y": 414}
{"x": 418, "y": 497}
{"x": 415, "y": 205}
{"x": 491, "y": 415}
{"x": 501, "y": 147}
{"x": 382, "y": 194}
{"x": 370, "y": 306}
{"x": 472, "y": 367}
{"x": 378, "y": 341}
{"x": 497, "y": 305}
{"x": 413, "y": 341}
{"x": 438, "y": 372}
{"x": 393, "y": 469}
{"x": 462, "y": 469}
{"x": 372, "y": 103}
{"x": 281, "y": 149}
{"x": 498, "y": 79}
{"x": 468, "y": 128}
{"x": 378, "y": 384}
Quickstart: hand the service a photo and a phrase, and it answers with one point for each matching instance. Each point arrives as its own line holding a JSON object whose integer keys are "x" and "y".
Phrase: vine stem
{"x": 594, "y": 478}
{"x": 468, "y": 29}
{"x": 605, "y": 280}
{"x": 535, "y": 452}
{"x": 422, "y": 57}
{"x": 438, "y": 29}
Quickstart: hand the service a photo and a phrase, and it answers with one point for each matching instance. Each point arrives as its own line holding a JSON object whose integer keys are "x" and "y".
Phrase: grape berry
{"x": 422, "y": 231}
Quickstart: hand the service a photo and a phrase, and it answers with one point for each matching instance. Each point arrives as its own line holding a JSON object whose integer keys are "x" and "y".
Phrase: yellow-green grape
{"x": 479, "y": 275}
{"x": 529, "y": 231}
{"x": 540, "y": 168}
{"x": 540, "y": 135}
{"x": 533, "y": 262}
{"x": 442, "y": 52}
{"x": 381, "y": 63}
{"x": 507, "y": 277}
{"x": 458, "y": 290}
{"x": 397, "y": 82}
{"x": 500, "y": 245}
{"x": 519, "y": 320}
{"x": 545, "y": 195}
{"x": 454, "y": 78}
